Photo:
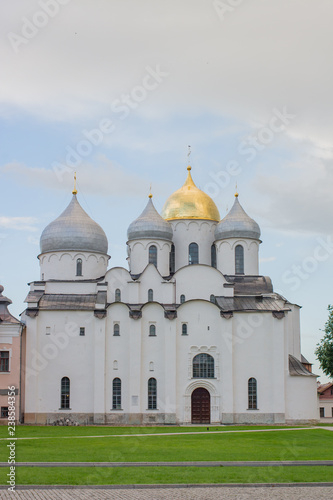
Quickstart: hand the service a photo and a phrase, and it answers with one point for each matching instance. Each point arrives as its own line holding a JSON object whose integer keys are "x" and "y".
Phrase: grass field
{"x": 70, "y": 444}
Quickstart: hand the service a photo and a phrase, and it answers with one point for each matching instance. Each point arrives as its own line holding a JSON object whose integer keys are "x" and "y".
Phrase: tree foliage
{"x": 324, "y": 351}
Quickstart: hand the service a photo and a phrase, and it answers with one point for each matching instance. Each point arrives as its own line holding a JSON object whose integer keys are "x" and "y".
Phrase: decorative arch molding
{"x": 212, "y": 350}
{"x": 214, "y": 399}
{"x": 145, "y": 244}
{"x": 253, "y": 243}
{"x": 187, "y": 223}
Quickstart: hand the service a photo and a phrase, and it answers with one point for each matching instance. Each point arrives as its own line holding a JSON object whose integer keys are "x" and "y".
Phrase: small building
{"x": 10, "y": 361}
{"x": 325, "y": 394}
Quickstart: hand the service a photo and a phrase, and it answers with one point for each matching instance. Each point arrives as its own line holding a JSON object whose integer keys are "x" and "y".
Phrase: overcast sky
{"x": 118, "y": 90}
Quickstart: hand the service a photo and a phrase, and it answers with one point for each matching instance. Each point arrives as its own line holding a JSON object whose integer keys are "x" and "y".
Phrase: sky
{"x": 117, "y": 91}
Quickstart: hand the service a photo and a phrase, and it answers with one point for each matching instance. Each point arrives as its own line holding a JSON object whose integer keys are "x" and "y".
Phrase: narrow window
{"x": 153, "y": 255}
{"x": 182, "y": 299}
{"x": 65, "y": 393}
{"x": 150, "y": 295}
{"x": 213, "y": 255}
{"x": 152, "y": 331}
{"x": 4, "y": 411}
{"x": 212, "y": 298}
{"x": 4, "y": 361}
{"x": 79, "y": 267}
{"x": 193, "y": 253}
{"x": 239, "y": 259}
{"x": 82, "y": 331}
{"x": 151, "y": 366}
{"x": 116, "y": 394}
{"x": 116, "y": 330}
{"x": 184, "y": 329}
{"x": 203, "y": 366}
{"x": 152, "y": 394}
{"x": 322, "y": 412}
{"x": 252, "y": 392}
{"x": 117, "y": 295}
{"x": 48, "y": 330}
{"x": 172, "y": 259}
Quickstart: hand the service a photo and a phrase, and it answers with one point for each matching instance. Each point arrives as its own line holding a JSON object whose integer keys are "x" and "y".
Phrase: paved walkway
{"x": 236, "y": 492}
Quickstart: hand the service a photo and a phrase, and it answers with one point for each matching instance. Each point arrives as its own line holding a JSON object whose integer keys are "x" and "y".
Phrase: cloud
{"x": 267, "y": 259}
{"x": 19, "y": 223}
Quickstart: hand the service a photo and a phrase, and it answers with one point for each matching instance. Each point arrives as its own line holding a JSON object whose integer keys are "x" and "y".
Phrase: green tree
{"x": 324, "y": 351}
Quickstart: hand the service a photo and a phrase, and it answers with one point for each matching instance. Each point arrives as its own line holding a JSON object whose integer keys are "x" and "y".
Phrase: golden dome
{"x": 189, "y": 202}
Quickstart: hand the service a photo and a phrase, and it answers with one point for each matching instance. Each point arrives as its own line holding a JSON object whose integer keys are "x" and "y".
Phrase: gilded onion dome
{"x": 150, "y": 225}
{"x": 189, "y": 202}
{"x": 74, "y": 230}
{"x": 237, "y": 224}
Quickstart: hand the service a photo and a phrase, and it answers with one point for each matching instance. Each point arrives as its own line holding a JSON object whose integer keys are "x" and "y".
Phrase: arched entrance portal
{"x": 200, "y": 406}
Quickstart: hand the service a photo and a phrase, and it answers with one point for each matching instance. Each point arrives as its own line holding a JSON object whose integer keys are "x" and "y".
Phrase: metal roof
{"x": 68, "y": 302}
{"x": 248, "y": 303}
{"x": 296, "y": 368}
{"x": 150, "y": 225}
{"x": 237, "y": 224}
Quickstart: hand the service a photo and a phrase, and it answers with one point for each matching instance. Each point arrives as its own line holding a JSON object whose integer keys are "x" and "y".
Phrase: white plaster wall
{"x": 118, "y": 278}
{"x": 62, "y": 265}
{"x": 199, "y": 282}
{"x": 163, "y": 291}
{"x": 192, "y": 231}
{"x": 294, "y": 337}
{"x": 139, "y": 255}
{"x": 301, "y": 398}
{"x": 225, "y": 250}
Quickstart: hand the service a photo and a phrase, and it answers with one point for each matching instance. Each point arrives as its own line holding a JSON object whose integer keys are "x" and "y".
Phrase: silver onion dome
{"x": 150, "y": 225}
{"x": 237, "y": 224}
{"x": 74, "y": 230}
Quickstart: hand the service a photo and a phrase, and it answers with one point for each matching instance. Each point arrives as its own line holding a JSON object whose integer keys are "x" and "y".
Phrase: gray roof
{"x": 74, "y": 230}
{"x": 231, "y": 304}
{"x": 68, "y": 302}
{"x": 150, "y": 225}
{"x": 250, "y": 285}
{"x": 5, "y": 316}
{"x": 296, "y": 367}
{"x": 237, "y": 224}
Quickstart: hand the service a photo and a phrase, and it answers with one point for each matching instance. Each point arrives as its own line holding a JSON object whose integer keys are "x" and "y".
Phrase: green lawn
{"x": 169, "y": 475}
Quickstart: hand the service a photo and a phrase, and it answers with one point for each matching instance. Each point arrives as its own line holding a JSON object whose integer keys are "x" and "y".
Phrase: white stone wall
{"x": 225, "y": 250}
{"x": 62, "y": 265}
{"x": 139, "y": 255}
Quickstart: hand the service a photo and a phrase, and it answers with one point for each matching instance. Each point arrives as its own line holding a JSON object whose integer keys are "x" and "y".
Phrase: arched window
{"x": 252, "y": 393}
{"x": 150, "y": 295}
{"x": 182, "y": 299}
{"x": 78, "y": 267}
{"x": 153, "y": 255}
{"x": 184, "y": 329}
{"x": 152, "y": 331}
{"x": 116, "y": 330}
{"x": 65, "y": 393}
{"x": 239, "y": 259}
{"x": 116, "y": 394}
{"x": 172, "y": 263}
{"x": 213, "y": 255}
{"x": 151, "y": 366}
{"x": 193, "y": 253}
{"x": 152, "y": 394}
{"x": 117, "y": 295}
{"x": 212, "y": 298}
{"x": 203, "y": 366}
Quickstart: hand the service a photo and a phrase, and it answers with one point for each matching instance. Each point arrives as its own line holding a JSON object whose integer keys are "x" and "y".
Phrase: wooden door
{"x": 200, "y": 406}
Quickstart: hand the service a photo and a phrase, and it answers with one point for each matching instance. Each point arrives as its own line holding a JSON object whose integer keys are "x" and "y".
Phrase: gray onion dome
{"x": 74, "y": 230}
{"x": 150, "y": 225}
{"x": 237, "y": 224}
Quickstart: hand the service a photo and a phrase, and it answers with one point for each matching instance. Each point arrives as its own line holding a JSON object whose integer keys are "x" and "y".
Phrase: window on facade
{"x": 116, "y": 394}
{"x": 322, "y": 412}
{"x": 65, "y": 393}
{"x": 152, "y": 394}
{"x": 252, "y": 393}
{"x": 150, "y": 295}
{"x": 153, "y": 255}
{"x": 172, "y": 259}
{"x": 184, "y": 329}
{"x": 79, "y": 267}
{"x": 151, "y": 366}
{"x": 239, "y": 259}
{"x": 212, "y": 298}
{"x": 4, "y": 411}
{"x": 193, "y": 253}
{"x": 117, "y": 295}
{"x": 213, "y": 256}
{"x": 82, "y": 331}
{"x": 332, "y": 411}
{"x": 203, "y": 366}
{"x": 116, "y": 330}
{"x": 48, "y": 330}
{"x": 4, "y": 361}
{"x": 152, "y": 331}
{"x": 182, "y": 299}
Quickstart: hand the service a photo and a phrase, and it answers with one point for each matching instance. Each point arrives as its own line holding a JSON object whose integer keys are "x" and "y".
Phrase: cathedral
{"x": 189, "y": 333}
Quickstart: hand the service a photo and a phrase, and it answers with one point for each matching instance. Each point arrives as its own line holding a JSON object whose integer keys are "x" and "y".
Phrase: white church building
{"x": 189, "y": 333}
